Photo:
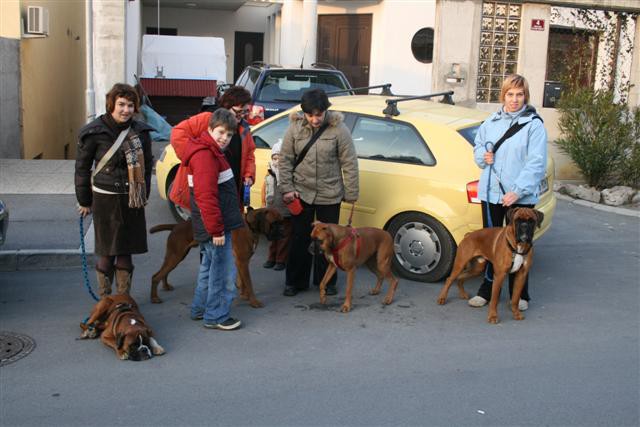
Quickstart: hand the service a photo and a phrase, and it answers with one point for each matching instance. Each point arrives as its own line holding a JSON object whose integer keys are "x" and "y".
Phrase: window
{"x": 572, "y": 51}
{"x": 422, "y": 45}
{"x": 499, "y": 40}
{"x": 252, "y": 78}
{"x": 290, "y": 85}
{"x": 269, "y": 134}
{"x": 379, "y": 139}
{"x": 470, "y": 134}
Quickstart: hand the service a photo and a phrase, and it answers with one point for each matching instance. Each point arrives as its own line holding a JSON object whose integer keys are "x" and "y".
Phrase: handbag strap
{"x": 109, "y": 154}
{"x": 306, "y": 148}
{"x": 512, "y": 131}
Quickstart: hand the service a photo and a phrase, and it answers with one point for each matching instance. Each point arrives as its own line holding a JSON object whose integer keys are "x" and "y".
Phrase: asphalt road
{"x": 574, "y": 360}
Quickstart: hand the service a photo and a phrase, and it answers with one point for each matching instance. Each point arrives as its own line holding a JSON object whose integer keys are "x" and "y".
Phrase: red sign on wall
{"x": 537, "y": 24}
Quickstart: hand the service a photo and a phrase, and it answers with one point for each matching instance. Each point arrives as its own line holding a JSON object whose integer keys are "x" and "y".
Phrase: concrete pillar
{"x": 108, "y": 48}
{"x": 291, "y": 34}
{"x": 277, "y": 29}
{"x": 133, "y": 39}
{"x": 532, "y": 57}
{"x": 309, "y": 30}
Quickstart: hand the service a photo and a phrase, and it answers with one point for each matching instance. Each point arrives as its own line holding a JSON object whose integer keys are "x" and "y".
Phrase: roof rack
{"x": 392, "y": 104}
{"x": 323, "y": 65}
{"x": 386, "y": 89}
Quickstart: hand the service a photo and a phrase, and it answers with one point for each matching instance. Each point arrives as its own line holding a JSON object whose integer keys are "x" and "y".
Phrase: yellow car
{"x": 418, "y": 179}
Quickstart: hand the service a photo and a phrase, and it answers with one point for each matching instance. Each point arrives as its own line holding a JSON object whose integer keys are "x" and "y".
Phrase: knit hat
{"x": 276, "y": 148}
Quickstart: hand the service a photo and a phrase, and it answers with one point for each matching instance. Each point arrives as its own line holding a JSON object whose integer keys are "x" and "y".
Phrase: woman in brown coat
{"x": 326, "y": 176}
{"x": 113, "y": 180}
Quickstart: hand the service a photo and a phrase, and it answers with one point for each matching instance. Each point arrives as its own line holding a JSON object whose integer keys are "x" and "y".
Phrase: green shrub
{"x": 598, "y": 134}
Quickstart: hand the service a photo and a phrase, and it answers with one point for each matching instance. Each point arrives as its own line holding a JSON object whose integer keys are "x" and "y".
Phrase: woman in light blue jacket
{"x": 511, "y": 176}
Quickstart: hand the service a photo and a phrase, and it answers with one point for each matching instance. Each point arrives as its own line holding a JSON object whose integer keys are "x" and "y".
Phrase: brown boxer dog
{"x": 348, "y": 248}
{"x": 244, "y": 241}
{"x": 121, "y": 326}
{"x": 509, "y": 249}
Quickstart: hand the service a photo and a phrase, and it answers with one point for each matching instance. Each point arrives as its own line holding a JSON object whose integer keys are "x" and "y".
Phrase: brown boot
{"x": 123, "y": 280}
{"x": 104, "y": 282}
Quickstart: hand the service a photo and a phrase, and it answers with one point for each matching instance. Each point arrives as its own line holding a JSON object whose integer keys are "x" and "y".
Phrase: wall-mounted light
{"x": 457, "y": 75}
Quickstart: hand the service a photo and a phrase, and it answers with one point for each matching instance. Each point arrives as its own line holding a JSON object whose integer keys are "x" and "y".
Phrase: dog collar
{"x": 343, "y": 243}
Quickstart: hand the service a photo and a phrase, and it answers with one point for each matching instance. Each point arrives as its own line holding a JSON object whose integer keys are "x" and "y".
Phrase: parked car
{"x": 4, "y": 222}
{"x": 418, "y": 179}
{"x": 275, "y": 89}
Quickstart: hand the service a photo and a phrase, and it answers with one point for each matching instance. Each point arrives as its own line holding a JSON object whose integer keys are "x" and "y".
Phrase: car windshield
{"x": 288, "y": 86}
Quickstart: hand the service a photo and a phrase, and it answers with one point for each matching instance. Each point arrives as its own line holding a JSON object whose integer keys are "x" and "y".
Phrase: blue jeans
{"x": 216, "y": 286}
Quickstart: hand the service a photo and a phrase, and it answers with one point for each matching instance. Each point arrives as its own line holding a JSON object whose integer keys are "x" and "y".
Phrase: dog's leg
{"x": 331, "y": 270}
{"x": 374, "y": 267}
{"x": 498, "y": 278}
{"x": 95, "y": 323}
{"x": 518, "y": 285}
{"x": 176, "y": 252}
{"x": 384, "y": 268}
{"x": 244, "y": 277}
{"x": 458, "y": 267}
{"x": 351, "y": 274}
{"x": 393, "y": 284}
{"x": 156, "y": 348}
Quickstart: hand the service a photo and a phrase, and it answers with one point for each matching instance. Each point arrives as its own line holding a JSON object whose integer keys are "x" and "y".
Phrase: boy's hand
{"x": 218, "y": 241}
{"x": 248, "y": 181}
{"x": 84, "y": 210}
{"x": 288, "y": 197}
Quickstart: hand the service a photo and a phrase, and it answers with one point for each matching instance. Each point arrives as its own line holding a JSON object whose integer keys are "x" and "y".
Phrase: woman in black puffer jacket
{"x": 113, "y": 180}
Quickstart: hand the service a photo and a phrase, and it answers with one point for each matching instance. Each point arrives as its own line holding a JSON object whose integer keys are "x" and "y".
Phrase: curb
{"x": 598, "y": 206}
{"x": 48, "y": 259}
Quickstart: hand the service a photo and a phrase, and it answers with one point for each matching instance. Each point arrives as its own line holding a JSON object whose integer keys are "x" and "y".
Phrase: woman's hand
{"x": 288, "y": 197}
{"x": 248, "y": 181}
{"x": 509, "y": 199}
{"x": 218, "y": 241}
{"x": 488, "y": 158}
{"x": 84, "y": 210}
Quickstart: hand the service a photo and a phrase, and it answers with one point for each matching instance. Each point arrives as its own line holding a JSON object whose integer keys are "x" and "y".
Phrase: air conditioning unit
{"x": 37, "y": 20}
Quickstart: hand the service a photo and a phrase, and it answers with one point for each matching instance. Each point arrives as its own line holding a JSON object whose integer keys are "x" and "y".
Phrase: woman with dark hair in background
{"x": 327, "y": 175}
{"x": 240, "y": 152}
{"x": 118, "y": 149}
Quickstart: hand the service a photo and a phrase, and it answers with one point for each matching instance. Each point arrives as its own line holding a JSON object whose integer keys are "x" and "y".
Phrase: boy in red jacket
{"x": 214, "y": 213}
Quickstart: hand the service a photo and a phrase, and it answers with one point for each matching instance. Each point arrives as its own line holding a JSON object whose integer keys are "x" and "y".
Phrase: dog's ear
{"x": 249, "y": 209}
{"x": 540, "y": 217}
{"x": 119, "y": 340}
{"x": 261, "y": 219}
{"x": 510, "y": 213}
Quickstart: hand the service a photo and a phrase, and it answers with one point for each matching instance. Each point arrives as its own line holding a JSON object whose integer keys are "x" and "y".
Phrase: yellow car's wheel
{"x": 423, "y": 248}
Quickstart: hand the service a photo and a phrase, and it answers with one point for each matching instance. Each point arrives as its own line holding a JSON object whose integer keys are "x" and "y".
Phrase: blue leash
{"x": 489, "y": 147}
{"x": 84, "y": 261}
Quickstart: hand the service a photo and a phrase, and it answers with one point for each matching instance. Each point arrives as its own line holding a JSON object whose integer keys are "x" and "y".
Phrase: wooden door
{"x": 345, "y": 42}
{"x": 247, "y": 49}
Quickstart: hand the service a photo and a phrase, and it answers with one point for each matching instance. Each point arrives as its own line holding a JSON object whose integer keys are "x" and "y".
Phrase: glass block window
{"x": 499, "y": 40}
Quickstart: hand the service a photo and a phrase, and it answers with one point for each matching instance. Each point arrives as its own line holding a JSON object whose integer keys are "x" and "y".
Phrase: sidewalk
{"x": 44, "y": 229}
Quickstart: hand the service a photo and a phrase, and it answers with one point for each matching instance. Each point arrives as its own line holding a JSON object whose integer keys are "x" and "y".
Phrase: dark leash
{"x": 83, "y": 256}
{"x": 351, "y": 214}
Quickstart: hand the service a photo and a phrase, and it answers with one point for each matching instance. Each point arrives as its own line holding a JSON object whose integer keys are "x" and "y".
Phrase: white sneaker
{"x": 477, "y": 301}
{"x": 523, "y": 305}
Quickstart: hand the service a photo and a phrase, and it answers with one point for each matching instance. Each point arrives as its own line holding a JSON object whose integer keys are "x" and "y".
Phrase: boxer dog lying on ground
{"x": 244, "y": 241}
{"x": 121, "y": 326}
{"x": 509, "y": 249}
{"x": 348, "y": 248}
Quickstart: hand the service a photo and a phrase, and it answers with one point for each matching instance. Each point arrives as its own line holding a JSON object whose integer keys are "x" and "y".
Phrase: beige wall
{"x": 53, "y": 81}
{"x": 10, "y": 19}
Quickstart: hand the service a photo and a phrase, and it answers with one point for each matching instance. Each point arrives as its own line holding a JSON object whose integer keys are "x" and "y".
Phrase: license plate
{"x": 544, "y": 186}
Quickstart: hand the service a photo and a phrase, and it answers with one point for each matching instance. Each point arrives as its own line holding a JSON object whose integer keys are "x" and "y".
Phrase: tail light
{"x": 472, "y": 192}
{"x": 256, "y": 114}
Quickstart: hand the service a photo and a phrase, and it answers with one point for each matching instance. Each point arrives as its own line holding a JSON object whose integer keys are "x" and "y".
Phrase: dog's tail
{"x": 161, "y": 227}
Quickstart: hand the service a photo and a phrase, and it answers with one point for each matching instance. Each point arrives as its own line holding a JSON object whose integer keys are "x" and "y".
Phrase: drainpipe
{"x": 90, "y": 95}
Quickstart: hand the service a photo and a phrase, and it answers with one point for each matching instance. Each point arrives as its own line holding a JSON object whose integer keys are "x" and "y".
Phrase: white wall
{"x": 211, "y": 23}
{"x": 394, "y": 24}
{"x": 133, "y": 39}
